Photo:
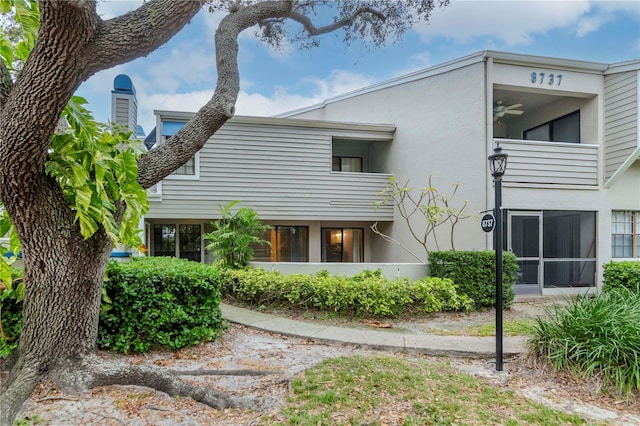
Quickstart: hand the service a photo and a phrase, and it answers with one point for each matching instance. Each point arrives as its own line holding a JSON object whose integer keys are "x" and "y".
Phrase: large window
{"x": 563, "y": 129}
{"x": 342, "y": 245}
{"x": 288, "y": 244}
{"x": 625, "y": 227}
{"x": 183, "y": 240}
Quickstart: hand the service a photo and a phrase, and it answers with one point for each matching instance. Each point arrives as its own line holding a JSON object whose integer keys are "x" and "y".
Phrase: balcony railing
{"x": 550, "y": 163}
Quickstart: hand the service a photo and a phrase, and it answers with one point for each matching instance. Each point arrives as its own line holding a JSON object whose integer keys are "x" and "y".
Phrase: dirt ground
{"x": 244, "y": 348}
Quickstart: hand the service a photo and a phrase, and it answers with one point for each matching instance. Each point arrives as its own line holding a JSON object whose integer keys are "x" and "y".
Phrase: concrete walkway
{"x": 381, "y": 339}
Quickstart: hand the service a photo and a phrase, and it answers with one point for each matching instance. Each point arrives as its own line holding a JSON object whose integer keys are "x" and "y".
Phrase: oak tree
{"x": 64, "y": 266}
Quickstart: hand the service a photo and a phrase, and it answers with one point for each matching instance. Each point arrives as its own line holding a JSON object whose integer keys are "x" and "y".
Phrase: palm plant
{"x": 234, "y": 235}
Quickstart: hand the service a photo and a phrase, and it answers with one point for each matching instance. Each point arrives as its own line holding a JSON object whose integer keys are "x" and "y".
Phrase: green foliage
{"x": 96, "y": 166}
{"x": 8, "y": 253}
{"x": 473, "y": 273}
{"x": 365, "y": 294}
{"x": 234, "y": 234}
{"x": 11, "y": 313}
{"x": 431, "y": 207}
{"x": 159, "y": 301}
{"x": 19, "y": 34}
{"x": 621, "y": 275}
{"x": 597, "y": 336}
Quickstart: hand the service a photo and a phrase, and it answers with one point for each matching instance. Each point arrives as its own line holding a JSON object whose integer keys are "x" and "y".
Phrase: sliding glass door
{"x": 343, "y": 245}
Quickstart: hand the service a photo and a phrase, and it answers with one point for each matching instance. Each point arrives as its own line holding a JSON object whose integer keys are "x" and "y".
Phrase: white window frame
{"x": 196, "y": 167}
{"x": 195, "y": 176}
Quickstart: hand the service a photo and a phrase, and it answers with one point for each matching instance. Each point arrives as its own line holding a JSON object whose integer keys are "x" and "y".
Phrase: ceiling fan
{"x": 500, "y": 110}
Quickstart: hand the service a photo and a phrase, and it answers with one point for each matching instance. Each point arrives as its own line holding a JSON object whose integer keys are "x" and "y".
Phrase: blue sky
{"x": 181, "y": 75}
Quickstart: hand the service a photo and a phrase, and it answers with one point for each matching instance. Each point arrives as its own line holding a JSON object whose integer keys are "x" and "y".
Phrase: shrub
{"x": 11, "y": 313}
{"x": 368, "y": 293}
{"x": 621, "y": 274}
{"x": 473, "y": 273}
{"x": 159, "y": 301}
{"x": 597, "y": 336}
{"x": 234, "y": 235}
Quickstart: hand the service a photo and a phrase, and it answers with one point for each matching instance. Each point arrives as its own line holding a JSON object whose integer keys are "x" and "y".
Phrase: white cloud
{"x": 338, "y": 82}
{"x": 604, "y": 12}
{"x": 514, "y": 22}
{"x": 108, "y": 9}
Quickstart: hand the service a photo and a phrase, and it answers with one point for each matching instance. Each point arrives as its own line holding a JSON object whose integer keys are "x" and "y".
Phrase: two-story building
{"x": 571, "y": 192}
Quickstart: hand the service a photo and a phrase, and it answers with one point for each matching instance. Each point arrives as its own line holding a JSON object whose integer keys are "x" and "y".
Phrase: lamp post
{"x": 497, "y": 166}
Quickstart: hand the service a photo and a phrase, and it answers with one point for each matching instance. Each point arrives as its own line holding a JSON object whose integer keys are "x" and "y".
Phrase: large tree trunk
{"x": 64, "y": 274}
{"x": 63, "y": 286}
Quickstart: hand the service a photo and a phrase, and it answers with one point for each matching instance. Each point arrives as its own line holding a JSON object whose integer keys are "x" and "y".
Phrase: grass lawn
{"x": 385, "y": 390}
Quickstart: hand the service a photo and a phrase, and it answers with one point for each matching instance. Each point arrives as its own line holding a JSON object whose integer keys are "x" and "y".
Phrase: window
{"x": 625, "y": 227}
{"x": 346, "y": 164}
{"x": 288, "y": 244}
{"x": 183, "y": 240}
{"x": 190, "y": 169}
{"x": 164, "y": 240}
{"x": 563, "y": 129}
{"x": 342, "y": 245}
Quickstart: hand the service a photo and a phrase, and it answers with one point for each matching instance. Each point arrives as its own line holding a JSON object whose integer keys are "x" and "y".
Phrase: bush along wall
{"x": 365, "y": 294}
{"x": 159, "y": 301}
{"x": 473, "y": 274}
{"x": 621, "y": 274}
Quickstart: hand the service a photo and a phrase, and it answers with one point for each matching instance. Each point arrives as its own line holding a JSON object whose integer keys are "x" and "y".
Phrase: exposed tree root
{"x": 93, "y": 371}
{"x": 15, "y": 390}
{"x": 79, "y": 375}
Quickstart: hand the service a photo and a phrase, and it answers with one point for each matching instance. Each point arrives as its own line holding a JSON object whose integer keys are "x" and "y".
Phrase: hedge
{"x": 473, "y": 273}
{"x": 159, "y": 301}
{"x": 621, "y": 274}
{"x": 368, "y": 293}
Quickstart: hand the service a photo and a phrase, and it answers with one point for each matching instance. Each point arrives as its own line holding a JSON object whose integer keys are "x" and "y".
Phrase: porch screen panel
{"x": 569, "y": 248}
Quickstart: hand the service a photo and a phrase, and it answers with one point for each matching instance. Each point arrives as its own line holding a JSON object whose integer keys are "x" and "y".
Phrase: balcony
{"x": 550, "y": 163}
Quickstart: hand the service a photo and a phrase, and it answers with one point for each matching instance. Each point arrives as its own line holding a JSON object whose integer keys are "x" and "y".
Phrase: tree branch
{"x": 315, "y": 31}
{"x": 161, "y": 161}
{"x": 139, "y": 32}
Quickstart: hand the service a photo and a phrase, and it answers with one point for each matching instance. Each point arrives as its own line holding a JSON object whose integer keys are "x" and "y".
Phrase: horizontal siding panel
{"x": 615, "y": 82}
{"x": 282, "y": 172}
{"x": 550, "y": 163}
{"x": 620, "y": 120}
{"x": 628, "y": 130}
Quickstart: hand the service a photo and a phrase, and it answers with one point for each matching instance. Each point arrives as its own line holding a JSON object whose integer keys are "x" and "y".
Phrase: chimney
{"x": 124, "y": 105}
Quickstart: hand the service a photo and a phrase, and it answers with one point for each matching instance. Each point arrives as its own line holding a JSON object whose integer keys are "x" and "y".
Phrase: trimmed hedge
{"x": 159, "y": 301}
{"x": 473, "y": 273}
{"x": 621, "y": 275}
{"x": 368, "y": 293}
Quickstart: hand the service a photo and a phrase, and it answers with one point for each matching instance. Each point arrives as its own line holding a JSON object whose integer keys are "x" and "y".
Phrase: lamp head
{"x": 498, "y": 162}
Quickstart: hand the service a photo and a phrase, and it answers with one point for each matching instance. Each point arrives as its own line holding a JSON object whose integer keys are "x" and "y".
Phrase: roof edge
{"x": 293, "y": 122}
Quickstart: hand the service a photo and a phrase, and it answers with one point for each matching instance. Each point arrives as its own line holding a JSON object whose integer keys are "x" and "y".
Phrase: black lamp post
{"x": 497, "y": 166}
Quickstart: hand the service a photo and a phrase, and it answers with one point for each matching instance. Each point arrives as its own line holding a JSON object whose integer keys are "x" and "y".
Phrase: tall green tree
{"x": 64, "y": 265}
